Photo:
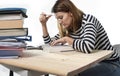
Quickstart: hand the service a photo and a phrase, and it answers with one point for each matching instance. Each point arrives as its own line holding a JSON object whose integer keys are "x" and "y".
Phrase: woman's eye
{"x": 61, "y": 17}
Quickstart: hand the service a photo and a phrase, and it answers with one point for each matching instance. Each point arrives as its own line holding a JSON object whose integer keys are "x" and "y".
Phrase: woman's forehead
{"x": 60, "y": 13}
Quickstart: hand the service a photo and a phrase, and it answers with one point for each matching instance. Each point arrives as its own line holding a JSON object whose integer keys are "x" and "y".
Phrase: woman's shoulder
{"x": 88, "y": 15}
{"x": 89, "y": 18}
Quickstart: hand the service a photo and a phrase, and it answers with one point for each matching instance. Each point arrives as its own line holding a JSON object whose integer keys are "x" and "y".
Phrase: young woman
{"x": 84, "y": 33}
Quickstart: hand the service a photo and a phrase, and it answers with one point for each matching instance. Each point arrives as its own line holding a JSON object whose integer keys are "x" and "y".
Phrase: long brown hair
{"x": 68, "y": 6}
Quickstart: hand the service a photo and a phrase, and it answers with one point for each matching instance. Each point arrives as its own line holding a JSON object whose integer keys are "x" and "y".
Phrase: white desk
{"x": 61, "y": 63}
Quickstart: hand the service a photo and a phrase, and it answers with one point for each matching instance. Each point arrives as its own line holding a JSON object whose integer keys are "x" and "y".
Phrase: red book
{"x": 11, "y": 51}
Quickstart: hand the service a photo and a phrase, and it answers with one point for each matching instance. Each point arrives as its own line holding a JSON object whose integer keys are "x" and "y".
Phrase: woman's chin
{"x": 65, "y": 27}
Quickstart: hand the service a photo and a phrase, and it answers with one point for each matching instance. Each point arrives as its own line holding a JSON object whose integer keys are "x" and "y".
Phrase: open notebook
{"x": 57, "y": 48}
{"x": 48, "y": 48}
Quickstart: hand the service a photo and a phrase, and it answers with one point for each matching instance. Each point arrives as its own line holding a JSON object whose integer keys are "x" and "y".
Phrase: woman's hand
{"x": 63, "y": 41}
{"x": 44, "y": 18}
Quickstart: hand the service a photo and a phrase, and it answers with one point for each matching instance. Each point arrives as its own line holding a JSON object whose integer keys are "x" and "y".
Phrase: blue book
{"x": 14, "y": 10}
{"x": 23, "y": 38}
{"x": 11, "y": 53}
{"x": 17, "y": 38}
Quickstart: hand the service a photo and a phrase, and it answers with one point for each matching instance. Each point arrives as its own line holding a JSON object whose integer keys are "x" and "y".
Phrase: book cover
{"x": 14, "y": 10}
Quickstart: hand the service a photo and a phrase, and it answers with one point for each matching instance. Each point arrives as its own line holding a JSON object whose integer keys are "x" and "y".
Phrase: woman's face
{"x": 64, "y": 19}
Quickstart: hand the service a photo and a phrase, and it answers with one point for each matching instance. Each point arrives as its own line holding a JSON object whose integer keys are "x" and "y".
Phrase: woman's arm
{"x": 43, "y": 20}
{"x": 86, "y": 44}
{"x": 49, "y": 40}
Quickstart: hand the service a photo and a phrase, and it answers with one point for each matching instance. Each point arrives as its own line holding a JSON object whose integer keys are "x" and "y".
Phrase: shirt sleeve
{"x": 87, "y": 42}
{"x": 48, "y": 40}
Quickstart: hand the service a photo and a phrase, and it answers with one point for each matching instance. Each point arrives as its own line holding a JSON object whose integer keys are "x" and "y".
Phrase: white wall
{"x": 107, "y": 11}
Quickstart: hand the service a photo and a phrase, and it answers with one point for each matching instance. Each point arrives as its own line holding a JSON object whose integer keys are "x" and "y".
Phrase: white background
{"x": 107, "y": 11}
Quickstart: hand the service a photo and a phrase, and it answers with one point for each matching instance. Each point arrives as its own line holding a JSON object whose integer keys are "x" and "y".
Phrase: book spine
{"x": 11, "y": 53}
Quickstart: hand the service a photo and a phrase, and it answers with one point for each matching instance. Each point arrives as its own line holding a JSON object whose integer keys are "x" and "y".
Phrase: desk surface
{"x": 63, "y": 64}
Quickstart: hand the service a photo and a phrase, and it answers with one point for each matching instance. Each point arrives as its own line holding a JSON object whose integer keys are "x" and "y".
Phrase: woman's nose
{"x": 59, "y": 21}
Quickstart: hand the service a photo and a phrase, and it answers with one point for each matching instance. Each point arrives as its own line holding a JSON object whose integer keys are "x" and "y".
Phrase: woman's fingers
{"x": 61, "y": 41}
{"x": 48, "y": 16}
{"x": 44, "y": 17}
{"x": 53, "y": 43}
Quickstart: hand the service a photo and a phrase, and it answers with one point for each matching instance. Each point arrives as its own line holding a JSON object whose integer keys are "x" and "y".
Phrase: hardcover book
{"x": 6, "y": 52}
{"x": 13, "y": 32}
{"x": 14, "y": 11}
{"x": 18, "y": 23}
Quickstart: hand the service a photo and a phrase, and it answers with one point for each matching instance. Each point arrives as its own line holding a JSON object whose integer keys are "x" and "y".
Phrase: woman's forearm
{"x": 43, "y": 20}
{"x": 45, "y": 31}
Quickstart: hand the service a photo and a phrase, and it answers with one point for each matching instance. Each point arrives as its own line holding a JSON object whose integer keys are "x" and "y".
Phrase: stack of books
{"x": 12, "y": 33}
{"x": 12, "y": 17}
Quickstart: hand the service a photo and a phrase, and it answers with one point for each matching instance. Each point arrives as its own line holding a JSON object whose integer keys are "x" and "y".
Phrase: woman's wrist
{"x": 43, "y": 24}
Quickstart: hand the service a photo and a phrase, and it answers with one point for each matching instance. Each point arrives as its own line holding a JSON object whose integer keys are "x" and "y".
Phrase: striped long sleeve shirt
{"x": 90, "y": 36}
